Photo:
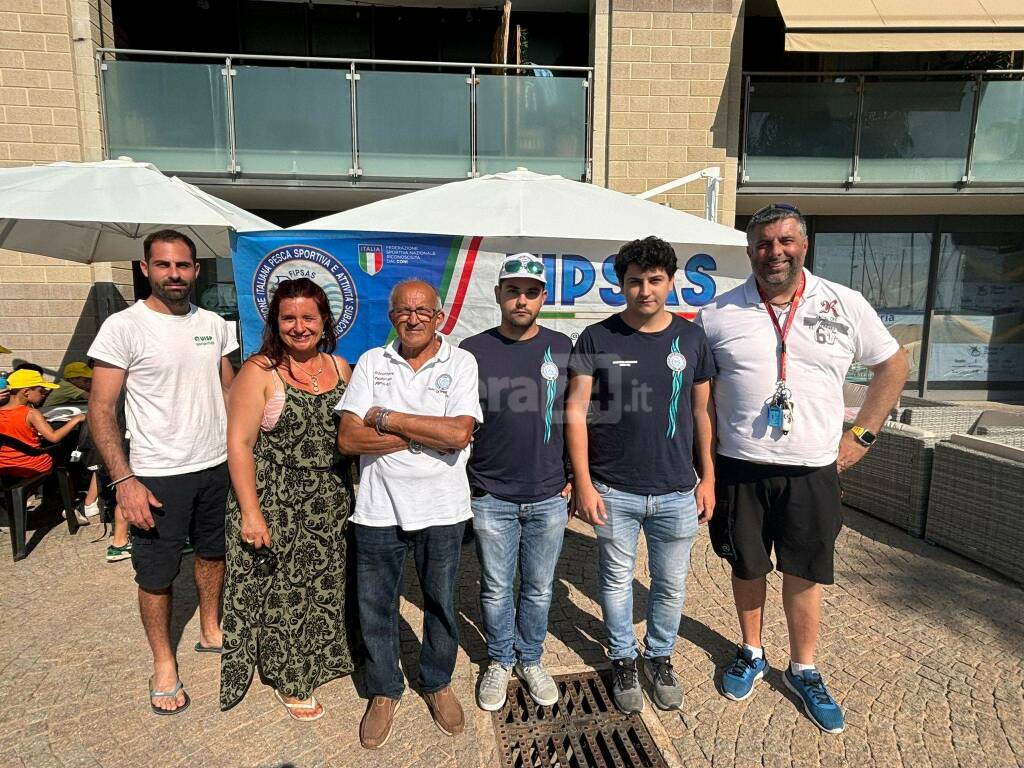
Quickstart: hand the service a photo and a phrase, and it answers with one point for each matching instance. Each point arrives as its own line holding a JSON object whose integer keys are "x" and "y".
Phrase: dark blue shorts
{"x": 194, "y": 506}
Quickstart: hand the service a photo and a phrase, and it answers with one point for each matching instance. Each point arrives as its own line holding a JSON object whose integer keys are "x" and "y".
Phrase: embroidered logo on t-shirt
{"x": 203, "y": 341}
{"x": 442, "y": 383}
{"x": 383, "y": 378}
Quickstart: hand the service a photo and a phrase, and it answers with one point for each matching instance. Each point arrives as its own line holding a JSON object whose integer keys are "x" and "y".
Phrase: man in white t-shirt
{"x": 171, "y": 359}
{"x": 409, "y": 411}
{"x": 783, "y": 342}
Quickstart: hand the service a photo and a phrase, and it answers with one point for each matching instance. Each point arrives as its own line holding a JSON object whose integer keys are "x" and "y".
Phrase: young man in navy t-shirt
{"x": 645, "y": 376}
{"x": 518, "y": 479}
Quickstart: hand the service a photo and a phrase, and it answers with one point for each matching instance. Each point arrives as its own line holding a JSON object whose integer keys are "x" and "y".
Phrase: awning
{"x": 895, "y": 26}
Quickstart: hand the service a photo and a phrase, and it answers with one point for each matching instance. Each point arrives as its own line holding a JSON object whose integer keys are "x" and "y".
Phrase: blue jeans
{"x": 380, "y": 560}
{"x": 527, "y": 538}
{"x": 670, "y": 523}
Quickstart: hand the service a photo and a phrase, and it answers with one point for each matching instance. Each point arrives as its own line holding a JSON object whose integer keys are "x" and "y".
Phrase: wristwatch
{"x": 863, "y": 436}
{"x": 415, "y": 447}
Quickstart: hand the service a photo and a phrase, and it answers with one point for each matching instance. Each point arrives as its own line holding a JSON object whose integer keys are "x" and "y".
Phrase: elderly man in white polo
{"x": 409, "y": 411}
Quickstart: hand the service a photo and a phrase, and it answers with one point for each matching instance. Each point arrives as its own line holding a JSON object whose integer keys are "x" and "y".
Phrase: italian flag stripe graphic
{"x": 371, "y": 263}
{"x": 458, "y": 270}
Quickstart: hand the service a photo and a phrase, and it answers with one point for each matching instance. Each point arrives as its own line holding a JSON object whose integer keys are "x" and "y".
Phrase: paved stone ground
{"x": 922, "y": 648}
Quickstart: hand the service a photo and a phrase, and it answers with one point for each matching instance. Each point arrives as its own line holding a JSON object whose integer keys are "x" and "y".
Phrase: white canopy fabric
{"x": 100, "y": 212}
{"x": 525, "y": 204}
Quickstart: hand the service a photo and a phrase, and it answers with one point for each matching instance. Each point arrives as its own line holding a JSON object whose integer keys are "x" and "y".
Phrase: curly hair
{"x": 650, "y": 253}
{"x": 273, "y": 348}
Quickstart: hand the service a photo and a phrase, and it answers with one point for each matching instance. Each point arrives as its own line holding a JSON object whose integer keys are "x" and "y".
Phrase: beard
{"x": 173, "y": 293}
{"x": 780, "y": 278}
{"x": 521, "y": 321}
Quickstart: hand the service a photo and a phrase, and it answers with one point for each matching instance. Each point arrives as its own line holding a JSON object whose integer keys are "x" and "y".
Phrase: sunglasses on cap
{"x": 786, "y": 207}
{"x": 514, "y": 266}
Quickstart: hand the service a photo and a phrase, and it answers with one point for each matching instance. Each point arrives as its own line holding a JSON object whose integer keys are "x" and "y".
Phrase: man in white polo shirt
{"x": 783, "y": 342}
{"x": 409, "y": 411}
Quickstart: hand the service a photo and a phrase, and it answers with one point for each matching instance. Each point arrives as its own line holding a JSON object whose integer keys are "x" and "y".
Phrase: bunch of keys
{"x": 780, "y": 409}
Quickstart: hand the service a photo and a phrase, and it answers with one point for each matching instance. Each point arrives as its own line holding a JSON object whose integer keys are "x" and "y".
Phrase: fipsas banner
{"x": 357, "y": 270}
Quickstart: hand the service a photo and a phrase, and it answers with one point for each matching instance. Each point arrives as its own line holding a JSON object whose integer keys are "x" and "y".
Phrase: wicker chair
{"x": 974, "y": 508}
{"x": 891, "y": 482}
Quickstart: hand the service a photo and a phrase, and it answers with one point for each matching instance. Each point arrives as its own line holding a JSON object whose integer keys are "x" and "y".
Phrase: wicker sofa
{"x": 891, "y": 482}
{"x": 974, "y": 507}
{"x": 941, "y": 418}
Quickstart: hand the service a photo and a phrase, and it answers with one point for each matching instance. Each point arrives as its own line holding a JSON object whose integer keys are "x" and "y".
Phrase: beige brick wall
{"x": 669, "y": 78}
{"x": 49, "y": 111}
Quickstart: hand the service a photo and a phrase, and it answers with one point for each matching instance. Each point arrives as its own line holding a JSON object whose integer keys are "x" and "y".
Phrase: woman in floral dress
{"x": 284, "y": 590}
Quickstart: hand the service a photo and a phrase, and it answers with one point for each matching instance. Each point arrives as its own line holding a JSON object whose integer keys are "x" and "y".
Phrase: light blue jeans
{"x": 527, "y": 538}
{"x": 669, "y": 522}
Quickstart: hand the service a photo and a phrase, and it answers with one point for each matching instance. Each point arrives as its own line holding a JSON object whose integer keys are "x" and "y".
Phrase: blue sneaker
{"x": 818, "y": 702}
{"x": 739, "y": 678}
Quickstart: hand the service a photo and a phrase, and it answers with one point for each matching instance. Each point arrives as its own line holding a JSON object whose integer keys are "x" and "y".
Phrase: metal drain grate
{"x": 583, "y": 730}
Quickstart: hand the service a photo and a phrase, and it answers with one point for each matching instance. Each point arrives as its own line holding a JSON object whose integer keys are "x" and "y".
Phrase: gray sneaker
{"x": 626, "y": 691}
{"x": 539, "y": 683}
{"x": 664, "y": 685}
{"x": 492, "y": 690}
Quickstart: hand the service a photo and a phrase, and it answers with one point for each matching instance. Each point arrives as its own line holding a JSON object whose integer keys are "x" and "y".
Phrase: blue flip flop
{"x": 159, "y": 694}
{"x": 200, "y": 648}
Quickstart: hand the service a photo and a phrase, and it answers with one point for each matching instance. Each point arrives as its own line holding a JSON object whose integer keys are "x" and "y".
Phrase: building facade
{"x": 906, "y": 155}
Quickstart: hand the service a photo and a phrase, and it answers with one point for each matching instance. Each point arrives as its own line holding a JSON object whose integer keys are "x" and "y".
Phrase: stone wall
{"x": 49, "y": 111}
{"x": 667, "y": 97}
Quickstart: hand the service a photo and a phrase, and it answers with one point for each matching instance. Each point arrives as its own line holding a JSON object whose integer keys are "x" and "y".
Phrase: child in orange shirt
{"x": 20, "y": 419}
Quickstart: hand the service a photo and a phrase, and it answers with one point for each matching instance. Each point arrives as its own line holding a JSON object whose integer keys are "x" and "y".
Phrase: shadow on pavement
{"x": 185, "y": 602}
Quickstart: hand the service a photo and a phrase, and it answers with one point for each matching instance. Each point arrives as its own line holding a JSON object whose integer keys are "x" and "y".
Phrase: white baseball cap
{"x": 523, "y": 265}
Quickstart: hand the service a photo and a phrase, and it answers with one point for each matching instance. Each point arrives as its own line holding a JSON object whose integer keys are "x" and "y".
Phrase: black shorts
{"x": 194, "y": 506}
{"x": 795, "y": 509}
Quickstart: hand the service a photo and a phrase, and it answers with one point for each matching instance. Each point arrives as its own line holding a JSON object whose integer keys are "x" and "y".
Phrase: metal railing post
{"x": 975, "y": 108}
{"x": 101, "y": 67}
{"x": 588, "y": 138}
{"x": 855, "y": 164}
{"x": 747, "y": 89}
{"x": 229, "y": 95}
{"x": 472, "y": 82}
{"x": 353, "y": 83}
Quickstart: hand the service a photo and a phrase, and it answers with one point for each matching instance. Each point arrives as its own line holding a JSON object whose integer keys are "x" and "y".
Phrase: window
{"x": 891, "y": 270}
{"x": 977, "y": 333}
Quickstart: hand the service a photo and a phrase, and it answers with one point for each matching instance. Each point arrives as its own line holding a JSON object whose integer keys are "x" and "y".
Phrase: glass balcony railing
{"x": 330, "y": 118}
{"x": 945, "y": 129}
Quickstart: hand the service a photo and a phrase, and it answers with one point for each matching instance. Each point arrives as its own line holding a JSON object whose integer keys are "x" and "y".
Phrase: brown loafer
{"x": 446, "y": 711}
{"x": 375, "y": 728}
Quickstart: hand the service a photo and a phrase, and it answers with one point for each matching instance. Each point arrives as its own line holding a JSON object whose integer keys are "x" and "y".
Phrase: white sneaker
{"x": 539, "y": 683}
{"x": 79, "y": 516}
{"x": 492, "y": 690}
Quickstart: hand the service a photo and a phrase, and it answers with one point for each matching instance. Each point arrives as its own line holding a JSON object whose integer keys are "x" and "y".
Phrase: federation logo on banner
{"x": 291, "y": 262}
{"x": 371, "y": 258}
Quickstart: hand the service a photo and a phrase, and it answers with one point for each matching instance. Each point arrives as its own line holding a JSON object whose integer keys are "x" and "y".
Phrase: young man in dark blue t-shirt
{"x": 645, "y": 376}
{"x": 517, "y": 474}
